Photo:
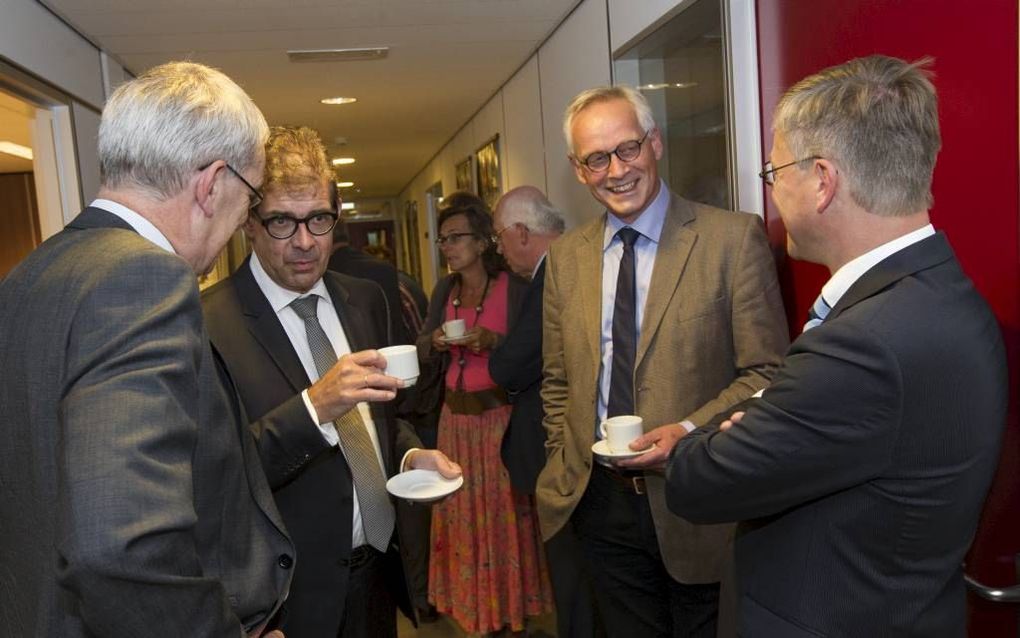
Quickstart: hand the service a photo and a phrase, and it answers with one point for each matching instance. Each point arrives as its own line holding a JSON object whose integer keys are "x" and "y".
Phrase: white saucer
{"x": 453, "y": 340}
{"x": 422, "y": 486}
{"x": 409, "y": 382}
{"x": 601, "y": 448}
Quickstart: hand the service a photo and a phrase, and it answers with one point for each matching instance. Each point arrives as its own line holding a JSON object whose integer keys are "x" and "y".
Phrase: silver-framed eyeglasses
{"x": 498, "y": 235}
{"x": 628, "y": 151}
{"x": 285, "y": 226}
{"x": 452, "y": 239}
{"x": 768, "y": 171}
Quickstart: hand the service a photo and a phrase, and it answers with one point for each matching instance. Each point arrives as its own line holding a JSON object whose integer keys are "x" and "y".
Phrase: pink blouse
{"x": 493, "y": 317}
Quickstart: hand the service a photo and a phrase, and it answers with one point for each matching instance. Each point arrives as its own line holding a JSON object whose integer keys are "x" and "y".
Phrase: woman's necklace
{"x": 461, "y": 361}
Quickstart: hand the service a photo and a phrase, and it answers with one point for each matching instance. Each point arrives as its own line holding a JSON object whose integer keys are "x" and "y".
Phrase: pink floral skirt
{"x": 487, "y": 567}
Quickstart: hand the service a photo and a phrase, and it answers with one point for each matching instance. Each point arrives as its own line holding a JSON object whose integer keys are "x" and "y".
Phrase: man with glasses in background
{"x": 133, "y": 501}
{"x": 662, "y": 308}
{"x": 300, "y": 344}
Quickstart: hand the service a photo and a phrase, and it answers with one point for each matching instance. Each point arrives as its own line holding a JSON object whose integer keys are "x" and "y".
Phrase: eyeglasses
{"x": 256, "y": 196}
{"x": 452, "y": 238}
{"x": 284, "y": 226}
{"x": 499, "y": 233}
{"x": 627, "y": 151}
{"x": 768, "y": 171}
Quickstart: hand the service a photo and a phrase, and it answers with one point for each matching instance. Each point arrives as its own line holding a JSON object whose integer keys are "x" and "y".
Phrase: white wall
{"x": 86, "y": 134}
{"x": 525, "y": 141}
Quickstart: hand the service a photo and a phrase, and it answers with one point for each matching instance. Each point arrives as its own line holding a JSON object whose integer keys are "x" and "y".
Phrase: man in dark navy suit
{"x": 526, "y": 223}
{"x": 860, "y": 473}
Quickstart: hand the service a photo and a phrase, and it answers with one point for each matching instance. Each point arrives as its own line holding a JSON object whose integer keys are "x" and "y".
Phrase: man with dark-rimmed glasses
{"x": 301, "y": 345}
{"x": 662, "y": 308}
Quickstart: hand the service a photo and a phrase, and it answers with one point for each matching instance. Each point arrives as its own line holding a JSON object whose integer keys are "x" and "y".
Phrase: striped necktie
{"x": 819, "y": 311}
{"x": 377, "y": 514}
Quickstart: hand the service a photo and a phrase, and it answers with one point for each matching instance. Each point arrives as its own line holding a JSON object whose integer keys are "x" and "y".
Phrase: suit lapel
{"x": 589, "y": 280}
{"x": 265, "y": 327}
{"x": 675, "y": 244}
{"x": 922, "y": 255}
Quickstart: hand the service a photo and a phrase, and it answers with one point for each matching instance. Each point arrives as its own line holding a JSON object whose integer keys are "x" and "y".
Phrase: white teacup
{"x": 454, "y": 328}
{"x": 620, "y": 431}
{"x": 402, "y": 363}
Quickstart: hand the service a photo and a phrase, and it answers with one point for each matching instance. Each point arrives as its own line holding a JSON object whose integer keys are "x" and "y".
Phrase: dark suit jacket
{"x": 133, "y": 502}
{"x": 516, "y": 365}
{"x": 311, "y": 480}
{"x": 861, "y": 472}
{"x": 355, "y": 263}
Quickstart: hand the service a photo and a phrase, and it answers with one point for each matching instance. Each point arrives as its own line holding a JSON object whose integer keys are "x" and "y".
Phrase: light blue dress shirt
{"x": 649, "y": 224}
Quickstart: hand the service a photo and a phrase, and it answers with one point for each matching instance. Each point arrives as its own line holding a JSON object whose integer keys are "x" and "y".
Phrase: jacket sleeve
{"x": 129, "y": 419}
{"x": 829, "y": 421}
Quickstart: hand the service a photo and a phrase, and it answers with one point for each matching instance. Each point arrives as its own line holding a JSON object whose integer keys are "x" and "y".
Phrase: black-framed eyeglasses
{"x": 627, "y": 151}
{"x": 768, "y": 171}
{"x": 256, "y": 196}
{"x": 285, "y": 226}
{"x": 452, "y": 238}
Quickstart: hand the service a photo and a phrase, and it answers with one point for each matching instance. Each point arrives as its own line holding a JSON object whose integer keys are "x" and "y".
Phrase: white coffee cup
{"x": 454, "y": 328}
{"x": 620, "y": 431}
{"x": 402, "y": 363}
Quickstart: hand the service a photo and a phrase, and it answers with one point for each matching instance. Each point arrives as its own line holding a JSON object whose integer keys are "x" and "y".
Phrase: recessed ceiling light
{"x": 339, "y": 100}
{"x": 338, "y": 55}
{"x": 344, "y": 184}
{"x": 16, "y": 149}
{"x": 347, "y": 206}
{"x": 341, "y": 161}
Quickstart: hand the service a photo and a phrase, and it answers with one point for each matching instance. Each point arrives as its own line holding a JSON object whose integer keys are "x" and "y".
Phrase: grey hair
{"x": 532, "y": 209}
{"x": 172, "y": 120}
{"x": 877, "y": 117}
{"x": 586, "y": 98}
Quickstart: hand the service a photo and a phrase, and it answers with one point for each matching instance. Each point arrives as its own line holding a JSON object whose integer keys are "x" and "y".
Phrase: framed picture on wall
{"x": 465, "y": 175}
{"x": 490, "y": 184}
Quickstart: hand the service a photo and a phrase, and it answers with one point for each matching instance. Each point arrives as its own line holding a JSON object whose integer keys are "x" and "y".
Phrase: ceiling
{"x": 446, "y": 58}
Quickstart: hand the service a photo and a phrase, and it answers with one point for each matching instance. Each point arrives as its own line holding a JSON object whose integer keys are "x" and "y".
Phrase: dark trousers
{"x": 576, "y": 613}
{"x": 636, "y": 595}
{"x": 370, "y": 611}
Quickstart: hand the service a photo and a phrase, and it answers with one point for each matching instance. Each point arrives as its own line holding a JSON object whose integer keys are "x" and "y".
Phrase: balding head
{"x": 526, "y": 223}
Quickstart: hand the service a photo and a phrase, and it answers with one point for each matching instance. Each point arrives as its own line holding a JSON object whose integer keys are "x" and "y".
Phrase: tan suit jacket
{"x": 713, "y": 333}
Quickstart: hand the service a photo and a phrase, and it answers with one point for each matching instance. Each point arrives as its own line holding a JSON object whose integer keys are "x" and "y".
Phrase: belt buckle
{"x": 638, "y": 483}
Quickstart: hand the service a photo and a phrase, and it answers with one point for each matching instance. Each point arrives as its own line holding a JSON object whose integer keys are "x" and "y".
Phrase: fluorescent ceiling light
{"x": 347, "y": 206}
{"x": 665, "y": 85}
{"x": 341, "y": 161}
{"x": 338, "y": 55}
{"x": 339, "y": 100}
{"x": 344, "y": 184}
{"x": 16, "y": 149}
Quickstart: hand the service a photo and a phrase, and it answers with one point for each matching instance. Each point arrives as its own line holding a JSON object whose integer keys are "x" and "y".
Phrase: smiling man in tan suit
{"x": 663, "y": 308}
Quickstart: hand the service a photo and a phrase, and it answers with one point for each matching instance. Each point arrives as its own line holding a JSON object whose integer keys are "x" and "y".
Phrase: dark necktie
{"x": 817, "y": 314}
{"x": 621, "y": 379}
{"x": 377, "y": 515}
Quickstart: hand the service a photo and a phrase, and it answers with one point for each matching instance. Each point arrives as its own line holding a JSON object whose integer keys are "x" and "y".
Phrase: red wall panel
{"x": 976, "y": 186}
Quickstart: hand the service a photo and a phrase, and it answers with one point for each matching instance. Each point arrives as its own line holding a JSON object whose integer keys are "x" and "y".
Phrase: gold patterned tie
{"x": 377, "y": 514}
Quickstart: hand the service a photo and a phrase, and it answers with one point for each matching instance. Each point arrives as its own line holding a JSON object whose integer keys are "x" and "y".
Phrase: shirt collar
{"x": 649, "y": 222}
{"x": 850, "y": 272}
{"x": 278, "y": 296}
{"x": 142, "y": 226}
{"x": 534, "y": 271}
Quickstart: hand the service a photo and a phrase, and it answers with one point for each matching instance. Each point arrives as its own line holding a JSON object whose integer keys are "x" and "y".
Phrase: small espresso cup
{"x": 454, "y": 328}
{"x": 402, "y": 363}
{"x": 619, "y": 431}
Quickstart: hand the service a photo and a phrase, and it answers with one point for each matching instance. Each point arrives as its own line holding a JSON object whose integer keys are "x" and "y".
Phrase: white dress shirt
{"x": 141, "y": 225}
{"x": 280, "y": 299}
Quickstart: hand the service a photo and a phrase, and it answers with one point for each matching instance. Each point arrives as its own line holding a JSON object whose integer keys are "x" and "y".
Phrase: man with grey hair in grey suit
{"x": 134, "y": 503}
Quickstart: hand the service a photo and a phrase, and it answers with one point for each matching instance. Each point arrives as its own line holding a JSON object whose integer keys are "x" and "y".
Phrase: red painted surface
{"x": 976, "y": 190}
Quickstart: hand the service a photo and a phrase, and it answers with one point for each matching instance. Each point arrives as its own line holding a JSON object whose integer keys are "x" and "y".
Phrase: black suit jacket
{"x": 861, "y": 472}
{"x": 311, "y": 481}
{"x": 516, "y": 365}
{"x": 355, "y": 263}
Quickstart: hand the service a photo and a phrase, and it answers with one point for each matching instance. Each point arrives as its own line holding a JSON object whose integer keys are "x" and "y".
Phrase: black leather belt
{"x": 631, "y": 479}
{"x": 359, "y": 556}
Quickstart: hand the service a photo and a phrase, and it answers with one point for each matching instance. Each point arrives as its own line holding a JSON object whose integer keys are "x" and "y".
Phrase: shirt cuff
{"x": 687, "y": 425}
{"x": 328, "y": 429}
{"x": 403, "y": 461}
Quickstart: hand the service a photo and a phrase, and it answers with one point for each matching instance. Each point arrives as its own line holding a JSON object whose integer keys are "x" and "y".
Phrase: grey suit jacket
{"x": 311, "y": 481}
{"x": 714, "y": 331}
{"x": 133, "y": 501}
{"x": 861, "y": 472}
